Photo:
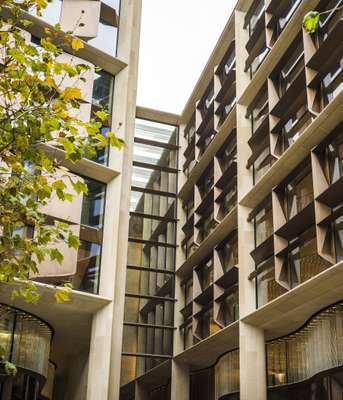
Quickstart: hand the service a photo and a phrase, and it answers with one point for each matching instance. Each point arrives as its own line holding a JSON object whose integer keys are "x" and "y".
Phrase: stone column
{"x": 180, "y": 386}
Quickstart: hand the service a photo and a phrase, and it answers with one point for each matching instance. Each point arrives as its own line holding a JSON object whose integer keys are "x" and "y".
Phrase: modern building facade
{"x": 211, "y": 259}
{"x": 69, "y": 351}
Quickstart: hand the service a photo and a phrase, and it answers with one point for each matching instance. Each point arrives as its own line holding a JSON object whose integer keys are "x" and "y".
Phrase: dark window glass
{"x": 151, "y": 255}
{"x": 103, "y": 90}
{"x": 88, "y": 271}
{"x": 268, "y": 288}
{"x": 93, "y": 204}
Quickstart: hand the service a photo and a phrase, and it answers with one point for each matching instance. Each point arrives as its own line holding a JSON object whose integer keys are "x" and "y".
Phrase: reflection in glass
{"x": 153, "y": 204}
{"x": 263, "y": 224}
{"x": 229, "y": 308}
{"x": 103, "y": 90}
{"x": 206, "y": 324}
{"x": 315, "y": 348}
{"x": 149, "y": 299}
{"x": 228, "y": 253}
{"x": 205, "y": 183}
{"x": 333, "y": 82}
{"x": 206, "y": 226}
{"x": 88, "y": 267}
{"x": 161, "y": 345}
{"x": 337, "y": 227}
{"x": 188, "y": 336}
{"x": 259, "y": 111}
{"x": 152, "y": 230}
{"x": 261, "y": 159}
{"x": 205, "y": 273}
{"x": 151, "y": 255}
{"x": 299, "y": 194}
{"x": 305, "y": 262}
{"x": 154, "y": 155}
{"x": 255, "y": 17}
{"x": 335, "y": 156}
{"x": 93, "y": 204}
{"x": 227, "y": 375}
{"x": 286, "y": 16}
{"x": 149, "y": 283}
{"x": 89, "y": 252}
{"x": 267, "y": 287}
{"x": 295, "y": 126}
{"x": 26, "y": 339}
{"x": 228, "y": 202}
{"x": 153, "y": 179}
{"x": 292, "y": 68}
{"x": 155, "y": 131}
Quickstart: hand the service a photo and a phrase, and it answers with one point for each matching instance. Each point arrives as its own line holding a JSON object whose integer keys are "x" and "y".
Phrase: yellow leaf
{"x": 62, "y": 295}
{"x": 71, "y": 93}
{"x": 50, "y": 81}
{"x": 77, "y": 44}
{"x": 41, "y": 3}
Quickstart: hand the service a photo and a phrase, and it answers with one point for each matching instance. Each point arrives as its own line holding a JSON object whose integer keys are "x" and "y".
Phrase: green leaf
{"x": 30, "y": 293}
{"x": 102, "y": 115}
{"x": 55, "y": 254}
{"x": 62, "y": 295}
{"x": 115, "y": 141}
{"x": 2, "y": 352}
{"x": 69, "y": 147}
{"x": 311, "y": 22}
{"x": 73, "y": 241}
{"x": 59, "y": 185}
{"x": 10, "y": 368}
{"x": 80, "y": 187}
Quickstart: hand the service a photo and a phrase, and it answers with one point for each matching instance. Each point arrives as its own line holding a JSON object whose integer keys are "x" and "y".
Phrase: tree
{"x": 36, "y": 109}
{"x": 312, "y": 19}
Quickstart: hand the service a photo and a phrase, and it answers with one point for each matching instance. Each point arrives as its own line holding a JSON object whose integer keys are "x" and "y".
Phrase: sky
{"x": 177, "y": 38}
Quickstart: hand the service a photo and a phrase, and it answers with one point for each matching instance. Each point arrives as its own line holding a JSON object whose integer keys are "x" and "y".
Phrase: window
{"x": 205, "y": 274}
{"x": 149, "y": 292}
{"x": 103, "y": 90}
{"x": 267, "y": 287}
{"x": 93, "y": 204}
{"x": 263, "y": 224}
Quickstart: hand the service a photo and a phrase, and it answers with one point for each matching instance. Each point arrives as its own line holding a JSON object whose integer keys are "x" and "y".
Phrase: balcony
{"x": 288, "y": 99}
{"x": 261, "y": 158}
{"x": 189, "y": 134}
{"x": 85, "y": 214}
{"x": 225, "y": 86}
{"x": 278, "y": 13}
{"x": 205, "y": 131}
{"x": 324, "y": 56}
{"x": 256, "y": 45}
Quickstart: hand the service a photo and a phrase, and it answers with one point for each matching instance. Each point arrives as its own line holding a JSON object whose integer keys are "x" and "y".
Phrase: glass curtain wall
{"x": 149, "y": 298}
{"x": 26, "y": 341}
{"x": 294, "y": 360}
